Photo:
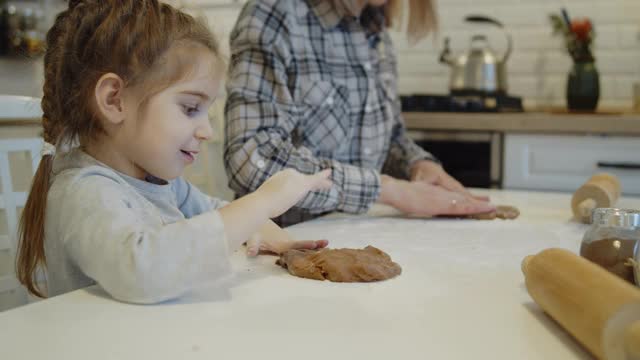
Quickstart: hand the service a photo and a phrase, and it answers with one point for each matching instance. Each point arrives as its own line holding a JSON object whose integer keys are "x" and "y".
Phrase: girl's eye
{"x": 190, "y": 110}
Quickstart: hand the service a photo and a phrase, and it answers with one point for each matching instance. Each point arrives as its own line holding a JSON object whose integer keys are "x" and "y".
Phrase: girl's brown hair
{"x": 130, "y": 38}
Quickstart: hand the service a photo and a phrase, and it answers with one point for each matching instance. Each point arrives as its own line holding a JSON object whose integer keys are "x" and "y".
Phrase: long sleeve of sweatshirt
{"x": 140, "y": 244}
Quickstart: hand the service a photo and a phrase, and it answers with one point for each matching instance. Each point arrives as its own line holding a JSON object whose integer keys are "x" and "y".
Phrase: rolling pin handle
{"x": 585, "y": 208}
{"x": 525, "y": 262}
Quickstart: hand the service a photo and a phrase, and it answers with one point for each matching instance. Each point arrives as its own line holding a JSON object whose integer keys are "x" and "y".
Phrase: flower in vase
{"x": 578, "y": 36}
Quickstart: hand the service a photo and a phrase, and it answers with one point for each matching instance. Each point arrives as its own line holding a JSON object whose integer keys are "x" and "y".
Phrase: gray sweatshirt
{"x": 141, "y": 241}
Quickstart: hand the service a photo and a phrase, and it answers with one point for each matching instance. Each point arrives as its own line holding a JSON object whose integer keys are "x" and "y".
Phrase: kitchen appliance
{"x": 479, "y": 71}
{"x": 471, "y": 157}
{"x": 461, "y": 103}
{"x": 478, "y": 84}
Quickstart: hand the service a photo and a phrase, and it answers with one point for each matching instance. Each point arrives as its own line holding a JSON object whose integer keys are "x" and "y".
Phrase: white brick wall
{"x": 539, "y": 63}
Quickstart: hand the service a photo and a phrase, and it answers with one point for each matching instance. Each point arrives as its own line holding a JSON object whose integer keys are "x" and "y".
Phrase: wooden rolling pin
{"x": 599, "y": 309}
{"x": 601, "y": 190}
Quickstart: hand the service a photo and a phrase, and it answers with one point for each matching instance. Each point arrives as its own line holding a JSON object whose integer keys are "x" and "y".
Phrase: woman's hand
{"x": 432, "y": 173}
{"x": 273, "y": 239}
{"x": 285, "y": 188}
{"x": 425, "y": 199}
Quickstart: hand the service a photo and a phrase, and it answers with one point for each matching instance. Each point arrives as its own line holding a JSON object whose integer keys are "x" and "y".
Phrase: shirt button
{"x": 330, "y": 101}
{"x": 367, "y": 66}
{"x": 260, "y": 164}
{"x": 367, "y": 151}
{"x": 367, "y": 109}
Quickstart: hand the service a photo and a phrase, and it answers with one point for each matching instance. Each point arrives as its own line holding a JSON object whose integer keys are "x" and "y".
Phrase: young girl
{"x": 127, "y": 87}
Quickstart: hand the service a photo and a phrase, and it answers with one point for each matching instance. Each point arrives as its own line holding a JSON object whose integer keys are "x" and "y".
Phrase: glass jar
{"x": 612, "y": 242}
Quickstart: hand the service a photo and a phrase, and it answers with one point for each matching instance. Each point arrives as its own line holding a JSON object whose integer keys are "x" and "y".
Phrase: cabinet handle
{"x": 619, "y": 165}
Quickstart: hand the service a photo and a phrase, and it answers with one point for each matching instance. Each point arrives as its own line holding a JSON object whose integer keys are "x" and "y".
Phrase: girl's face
{"x": 165, "y": 136}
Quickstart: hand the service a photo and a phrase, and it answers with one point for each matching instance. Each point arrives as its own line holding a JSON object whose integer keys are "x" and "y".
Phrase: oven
{"x": 472, "y": 157}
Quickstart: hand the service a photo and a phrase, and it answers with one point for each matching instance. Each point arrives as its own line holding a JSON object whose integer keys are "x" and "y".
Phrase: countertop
{"x": 529, "y": 122}
{"x": 461, "y": 295}
{"x": 627, "y": 124}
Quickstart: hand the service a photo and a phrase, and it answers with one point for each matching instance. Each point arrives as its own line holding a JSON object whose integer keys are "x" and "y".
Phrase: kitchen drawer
{"x": 551, "y": 162}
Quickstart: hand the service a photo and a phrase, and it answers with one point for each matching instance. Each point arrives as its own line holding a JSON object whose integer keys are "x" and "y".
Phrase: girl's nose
{"x": 204, "y": 131}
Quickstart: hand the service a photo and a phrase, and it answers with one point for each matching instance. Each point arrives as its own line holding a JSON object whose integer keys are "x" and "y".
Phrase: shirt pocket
{"x": 326, "y": 125}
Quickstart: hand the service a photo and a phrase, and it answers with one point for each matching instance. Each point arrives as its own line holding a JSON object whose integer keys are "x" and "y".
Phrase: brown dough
{"x": 340, "y": 265}
{"x": 502, "y": 212}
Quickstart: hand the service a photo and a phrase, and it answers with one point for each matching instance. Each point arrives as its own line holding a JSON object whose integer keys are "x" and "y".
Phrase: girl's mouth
{"x": 189, "y": 156}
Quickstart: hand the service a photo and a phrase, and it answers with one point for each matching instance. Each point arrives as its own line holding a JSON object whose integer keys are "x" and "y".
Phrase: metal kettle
{"x": 479, "y": 71}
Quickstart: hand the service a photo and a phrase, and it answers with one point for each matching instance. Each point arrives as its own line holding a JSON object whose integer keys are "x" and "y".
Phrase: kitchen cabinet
{"x": 546, "y": 151}
{"x": 564, "y": 162}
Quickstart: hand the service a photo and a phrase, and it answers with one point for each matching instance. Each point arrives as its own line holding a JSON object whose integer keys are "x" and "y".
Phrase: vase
{"x": 583, "y": 87}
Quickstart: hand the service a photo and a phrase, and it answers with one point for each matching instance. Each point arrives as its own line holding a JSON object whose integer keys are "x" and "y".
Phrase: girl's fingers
{"x": 253, "y": 245}
{"x": 309, "y": 244}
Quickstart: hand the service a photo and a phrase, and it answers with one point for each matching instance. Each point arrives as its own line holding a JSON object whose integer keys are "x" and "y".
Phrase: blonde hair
{"x": 423, "y": 18}
{"x": 421, "y": 21}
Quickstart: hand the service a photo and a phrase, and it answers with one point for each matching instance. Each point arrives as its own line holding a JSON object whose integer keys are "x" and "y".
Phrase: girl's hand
{"x": 273, "y": 239}
{"x": 285, "y": 188}
{"x": 424, "y": 199}
{"x": 432, "y": 173}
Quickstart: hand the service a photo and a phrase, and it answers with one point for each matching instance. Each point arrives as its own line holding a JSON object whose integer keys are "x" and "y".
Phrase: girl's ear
{"x": 108, "y": 97}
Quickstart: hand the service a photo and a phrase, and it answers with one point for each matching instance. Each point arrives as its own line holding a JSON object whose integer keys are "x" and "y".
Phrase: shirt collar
{"x": 330, "y": 12}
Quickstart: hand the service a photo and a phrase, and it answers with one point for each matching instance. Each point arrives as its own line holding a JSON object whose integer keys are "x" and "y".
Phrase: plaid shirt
{"x": 310, "y": 89}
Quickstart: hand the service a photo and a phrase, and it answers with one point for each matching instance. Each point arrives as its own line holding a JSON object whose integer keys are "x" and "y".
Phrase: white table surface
{"x": 461, "y": 295}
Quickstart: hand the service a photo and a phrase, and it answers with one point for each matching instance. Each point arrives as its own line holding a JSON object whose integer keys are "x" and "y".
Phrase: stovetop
{"x": 461, "y": 103}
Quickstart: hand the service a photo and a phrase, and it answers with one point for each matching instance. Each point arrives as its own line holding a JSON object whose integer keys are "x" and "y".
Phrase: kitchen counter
{"x": 461, "y": 296}
{"x": 530, "y": 122}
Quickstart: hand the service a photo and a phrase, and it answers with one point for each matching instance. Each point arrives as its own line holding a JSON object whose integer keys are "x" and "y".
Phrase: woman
{"x": 313, "y": 85}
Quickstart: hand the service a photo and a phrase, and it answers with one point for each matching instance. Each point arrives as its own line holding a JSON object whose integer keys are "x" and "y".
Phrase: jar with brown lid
{"x": 612, "y": 242}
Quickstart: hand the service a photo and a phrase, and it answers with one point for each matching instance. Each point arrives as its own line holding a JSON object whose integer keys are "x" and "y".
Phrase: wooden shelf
{"x": 530, "y": 122}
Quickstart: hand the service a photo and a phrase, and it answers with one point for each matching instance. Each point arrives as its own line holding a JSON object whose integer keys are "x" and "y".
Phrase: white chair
{"x": 19, "y": 117}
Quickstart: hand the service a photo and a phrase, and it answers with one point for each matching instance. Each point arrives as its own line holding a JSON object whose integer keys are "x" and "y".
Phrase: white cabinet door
{"x": 554, "y": 162}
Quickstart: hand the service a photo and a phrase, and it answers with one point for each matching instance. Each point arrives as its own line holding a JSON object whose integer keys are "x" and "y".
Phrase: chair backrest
{"x": 19, "y": 158}
{"x": 19, "y": 107}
